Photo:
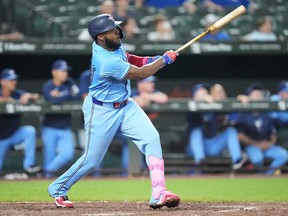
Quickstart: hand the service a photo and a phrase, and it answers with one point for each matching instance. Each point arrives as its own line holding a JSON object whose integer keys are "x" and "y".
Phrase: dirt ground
{"x": 141, "y": 208}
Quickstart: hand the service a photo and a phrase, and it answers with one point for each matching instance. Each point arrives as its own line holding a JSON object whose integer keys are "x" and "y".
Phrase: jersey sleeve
{"x": 115, "y": 68}
{"x": 138, "y": 61}
{"x": 70, "y": 87}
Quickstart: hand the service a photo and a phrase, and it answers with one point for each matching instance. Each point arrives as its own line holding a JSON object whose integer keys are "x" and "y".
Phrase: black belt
{"x": 115, "y": 105}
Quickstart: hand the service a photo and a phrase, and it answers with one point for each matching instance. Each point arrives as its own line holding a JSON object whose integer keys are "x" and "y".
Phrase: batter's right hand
{"x": 169, "y": 57}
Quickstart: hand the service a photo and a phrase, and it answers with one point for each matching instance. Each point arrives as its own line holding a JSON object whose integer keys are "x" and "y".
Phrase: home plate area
{"x": 109, "y": 208}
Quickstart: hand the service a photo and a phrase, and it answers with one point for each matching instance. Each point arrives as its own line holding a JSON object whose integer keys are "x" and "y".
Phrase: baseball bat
{"x": 217, "y": 25}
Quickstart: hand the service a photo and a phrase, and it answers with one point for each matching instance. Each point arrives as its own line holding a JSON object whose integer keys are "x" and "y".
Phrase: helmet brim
{"x": 116, "y": 23}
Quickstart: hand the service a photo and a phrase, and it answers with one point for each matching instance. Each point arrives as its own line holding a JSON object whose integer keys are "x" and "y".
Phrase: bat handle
{"x": 191, "y": 42}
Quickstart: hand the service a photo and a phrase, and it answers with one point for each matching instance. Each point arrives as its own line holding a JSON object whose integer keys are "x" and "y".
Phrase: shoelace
{"x": 65, "y": 198}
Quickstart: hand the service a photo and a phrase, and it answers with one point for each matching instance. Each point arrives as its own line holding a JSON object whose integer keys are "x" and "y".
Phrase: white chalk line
{"x": 235, "y": 208}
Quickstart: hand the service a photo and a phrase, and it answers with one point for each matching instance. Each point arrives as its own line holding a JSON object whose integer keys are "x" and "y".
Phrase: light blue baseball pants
{"x": 101, "y": 125}
{"x": 25, "y": 134}
{"x": 278, "y": 155}
{"x": 58, "y": 149}
{"x": 202, "y": 147}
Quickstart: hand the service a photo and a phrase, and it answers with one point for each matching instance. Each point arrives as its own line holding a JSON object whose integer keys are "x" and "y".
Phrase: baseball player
{"x": 257, "y": 132}
{"x": 11, "y": 133}
{"x": 56, "y": 133}
{"x": 108, "y": 109}
{"x": 211, "y": 133}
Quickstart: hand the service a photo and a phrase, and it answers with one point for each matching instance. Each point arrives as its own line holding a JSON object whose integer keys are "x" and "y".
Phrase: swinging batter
{"x": 108, "y": 109}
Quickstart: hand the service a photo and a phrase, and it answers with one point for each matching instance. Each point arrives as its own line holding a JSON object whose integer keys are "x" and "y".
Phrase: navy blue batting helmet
{"x": 103, "y": 23}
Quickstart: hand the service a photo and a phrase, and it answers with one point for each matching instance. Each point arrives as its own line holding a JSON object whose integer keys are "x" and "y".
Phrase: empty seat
{"x": 39, "y": 27}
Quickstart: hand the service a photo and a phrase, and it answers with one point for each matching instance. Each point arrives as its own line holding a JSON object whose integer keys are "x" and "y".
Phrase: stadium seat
{"x": 23, "y": 20}
{"x": 40, "y": 27}
{"x": 246, "y": 24}
{"x": 39, "y": 2}
{"x": 6, "y": 9}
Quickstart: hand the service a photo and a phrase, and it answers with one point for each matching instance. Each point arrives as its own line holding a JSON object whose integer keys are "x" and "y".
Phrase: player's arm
{"x": 158, "y": 97}
{"x": 246, "y": 140}
{"x": 139, "y": 61}
{"x": 244, "y": 99}
{"x": 74, "y": 90}
{"x": 145, "y": 99}
{"x": 267, "y": 143}
{"x": 273, "y": 139}
{"x": 53, "y": 95}
{"x": 136, "y": 73}
{"x": 26, "y": 97}
{"x": 141, "y": 100}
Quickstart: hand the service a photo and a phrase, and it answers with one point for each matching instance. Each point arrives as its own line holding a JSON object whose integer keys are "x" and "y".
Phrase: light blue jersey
{"x": 108, "y": 72}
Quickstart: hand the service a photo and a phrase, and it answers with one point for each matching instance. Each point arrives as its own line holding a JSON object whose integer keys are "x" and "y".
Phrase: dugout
{"x": 51, "y": 29}
{"x": 235, "y": 72}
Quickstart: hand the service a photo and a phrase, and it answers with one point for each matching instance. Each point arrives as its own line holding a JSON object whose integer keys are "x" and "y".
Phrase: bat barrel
{"x": 217, "y": 25}
{"x": 229, "y": 17}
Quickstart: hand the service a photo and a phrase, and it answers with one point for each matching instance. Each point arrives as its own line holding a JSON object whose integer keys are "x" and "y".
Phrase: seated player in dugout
{"x": 145, "y": 94}
{"x": 11, "y": 132}
{"x": 258, "y": 135}
{"x": 211, "y": 133}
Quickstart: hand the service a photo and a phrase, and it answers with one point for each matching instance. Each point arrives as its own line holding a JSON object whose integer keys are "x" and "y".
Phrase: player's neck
{"x": 108, "y": 49}
{"x": 103, "y": 45}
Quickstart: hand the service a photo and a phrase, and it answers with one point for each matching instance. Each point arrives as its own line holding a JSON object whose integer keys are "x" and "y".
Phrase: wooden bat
{"x": 217, "y": 25}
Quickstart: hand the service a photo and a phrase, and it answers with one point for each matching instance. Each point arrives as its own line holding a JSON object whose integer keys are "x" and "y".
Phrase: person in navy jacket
{"x": 56, "y": 133}
{"x": 257, "y": 133}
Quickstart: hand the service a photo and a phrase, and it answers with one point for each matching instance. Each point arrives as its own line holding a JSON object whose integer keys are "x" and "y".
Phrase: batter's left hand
{"x": 169, "y": 57}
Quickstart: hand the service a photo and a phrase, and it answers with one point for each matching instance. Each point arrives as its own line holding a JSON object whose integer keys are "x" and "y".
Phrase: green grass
{"x": 189, "y": 189}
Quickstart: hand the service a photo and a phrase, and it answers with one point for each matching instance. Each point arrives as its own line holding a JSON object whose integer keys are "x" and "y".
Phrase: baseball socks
{"x": 160, "y": 197}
